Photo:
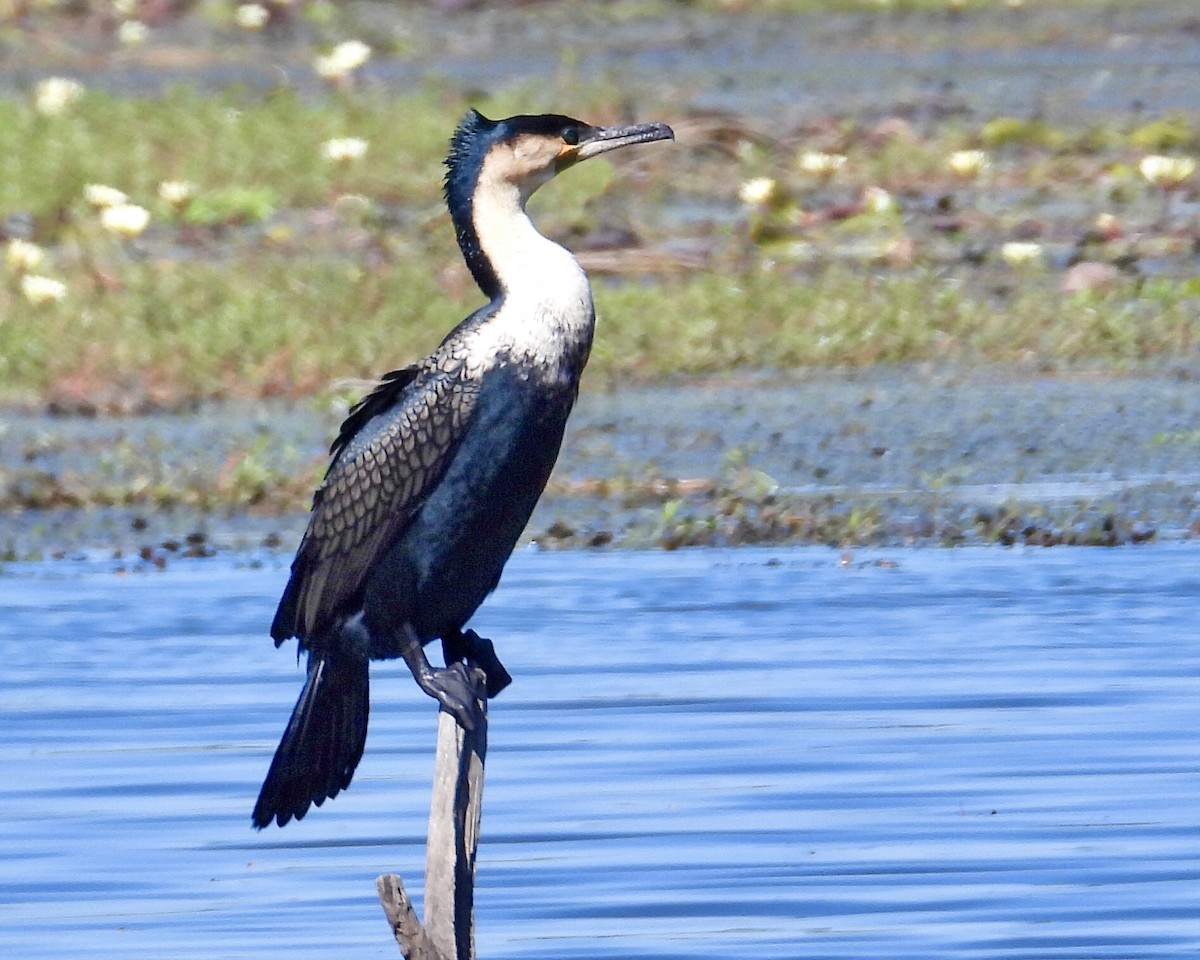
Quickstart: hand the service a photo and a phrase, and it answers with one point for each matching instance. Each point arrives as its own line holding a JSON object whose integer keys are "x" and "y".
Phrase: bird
{"x": 435, "y": 473}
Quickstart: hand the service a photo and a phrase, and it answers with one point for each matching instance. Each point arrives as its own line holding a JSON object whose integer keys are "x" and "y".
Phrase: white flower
{"x": 1108, "y": 225}
{"x": 100, "y": 196}
{"x": 968, "y": 164}
{"x": 21, "y": 256}
{"x": 344, "y": 149}
{"x": 126, "y": 220}
{"x": 1018, "y": 253}
{"x": 55, "y": 95}
{"x": 131, "y": 33}
{"x": 757, "y": 191}
{"x": 251, "y": 16}
{"x": 38, "y": 289}
{"x": 126, "y": 8}
{"x": 1167, "y": 171}
{"x": 342, "y": 60}
{"x": 176, "y": 192}
{"x": 878, "y": 200}
{"x": 821, "y": 164}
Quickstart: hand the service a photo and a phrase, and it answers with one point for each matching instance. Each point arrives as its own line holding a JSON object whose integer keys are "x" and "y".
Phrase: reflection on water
{"x": 761, "y": 754}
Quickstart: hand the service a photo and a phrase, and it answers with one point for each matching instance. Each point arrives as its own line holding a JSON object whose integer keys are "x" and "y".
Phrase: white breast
{"x": 547, "y": 312}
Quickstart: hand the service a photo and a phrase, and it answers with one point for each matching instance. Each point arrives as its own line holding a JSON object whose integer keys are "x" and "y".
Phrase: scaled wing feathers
{"x": 392, "y": 450}
{"x": 390, "y": 388}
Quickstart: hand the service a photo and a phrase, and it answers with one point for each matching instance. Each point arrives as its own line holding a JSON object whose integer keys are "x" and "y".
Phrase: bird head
{"x": 527, "y": 151}
{"x": 498, "y": 164}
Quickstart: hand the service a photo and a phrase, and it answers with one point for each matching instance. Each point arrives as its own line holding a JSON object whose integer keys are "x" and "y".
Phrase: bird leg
{"x": 460, "y": 646}
{"x": 450, "y": 686}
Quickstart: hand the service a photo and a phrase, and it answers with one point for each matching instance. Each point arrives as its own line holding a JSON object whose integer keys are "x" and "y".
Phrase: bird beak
{"x": 602, "y": 139}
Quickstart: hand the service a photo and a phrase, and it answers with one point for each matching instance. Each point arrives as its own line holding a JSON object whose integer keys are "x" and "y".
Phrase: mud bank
{"x": 891, "y": 456}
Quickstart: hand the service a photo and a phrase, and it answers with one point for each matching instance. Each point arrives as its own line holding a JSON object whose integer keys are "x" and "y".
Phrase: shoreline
{"x": 878, "y": 457}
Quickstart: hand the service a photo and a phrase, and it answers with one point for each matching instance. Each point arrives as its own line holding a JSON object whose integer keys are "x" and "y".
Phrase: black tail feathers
{"x": 323, "y": 741}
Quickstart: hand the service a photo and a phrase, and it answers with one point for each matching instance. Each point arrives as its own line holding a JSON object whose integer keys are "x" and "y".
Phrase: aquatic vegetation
{"x": 821, "y": 164}
{"x": 1000, "y": 132}
{"x": 728, "y": 510}
{"x": 102, "y": 196}
{"x": 56, "y": 95}
{"x": 251, "y": 16}
{"x": 344, "y": 149}
{"x": 968, "y": 164}
{"x": 132, "y": 33}
{"x": 39, "y": 290}
{"x": 21, "y": 256}
{"x": 877, "y": 200}
{"x": 231, "y": 206}
{"x": 1017, "y": 253}
{"x": 1165, "y": 133}
{"x": 177, "y": 194}
{"x": 342, "y": 61}
{"x": 758, "y": 191}
{"x": 1167, "y": 172}
{"x": 125, "y": 219}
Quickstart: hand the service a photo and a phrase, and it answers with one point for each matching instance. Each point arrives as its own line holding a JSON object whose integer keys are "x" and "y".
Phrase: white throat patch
{"x": 547, "y": 313}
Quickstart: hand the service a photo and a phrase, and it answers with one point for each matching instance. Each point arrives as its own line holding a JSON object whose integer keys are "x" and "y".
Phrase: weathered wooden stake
{"x": 448, "y": 932}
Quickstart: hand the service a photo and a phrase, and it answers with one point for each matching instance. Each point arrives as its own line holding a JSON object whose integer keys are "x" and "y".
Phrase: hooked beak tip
{"x": 611, "y": 138}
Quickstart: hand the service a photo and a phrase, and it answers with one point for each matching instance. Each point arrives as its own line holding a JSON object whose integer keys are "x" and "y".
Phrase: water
{"x": 762, "y": 754}
{"x": 1045, "y": 59}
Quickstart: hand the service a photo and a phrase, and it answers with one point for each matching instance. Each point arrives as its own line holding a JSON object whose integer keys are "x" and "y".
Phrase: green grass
{"x": 218, "y": 141}
{"x": 276, "y": 324}
{"x": 840, "y": 317}
{"x": 268, "y": 324}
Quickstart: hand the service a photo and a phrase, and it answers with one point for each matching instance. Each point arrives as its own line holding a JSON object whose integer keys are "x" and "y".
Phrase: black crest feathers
{"x": 468, "y": 147}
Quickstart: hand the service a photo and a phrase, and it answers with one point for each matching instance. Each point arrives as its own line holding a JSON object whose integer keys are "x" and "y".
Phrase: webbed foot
{"x": 468, "y": 645}
{"x": 452, "y": 686}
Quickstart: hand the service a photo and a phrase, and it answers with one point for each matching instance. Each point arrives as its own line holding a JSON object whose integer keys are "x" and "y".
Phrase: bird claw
{"x": 454, "y": 688}
{"x": 468, "y": 645}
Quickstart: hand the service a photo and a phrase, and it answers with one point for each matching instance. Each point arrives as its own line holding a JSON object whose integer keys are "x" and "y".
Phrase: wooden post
{"x": 448, "y": 932}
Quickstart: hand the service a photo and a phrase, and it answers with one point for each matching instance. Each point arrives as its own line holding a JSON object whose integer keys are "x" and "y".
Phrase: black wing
{"x": 391, "y": 451}
{"x": 389, "y": 389}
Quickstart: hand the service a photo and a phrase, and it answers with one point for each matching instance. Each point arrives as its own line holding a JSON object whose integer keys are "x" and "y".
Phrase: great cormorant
{"x": 434, "y": 474}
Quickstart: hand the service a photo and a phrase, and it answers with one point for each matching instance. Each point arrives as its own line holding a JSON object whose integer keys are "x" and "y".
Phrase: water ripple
{"x": 769, "y": 754}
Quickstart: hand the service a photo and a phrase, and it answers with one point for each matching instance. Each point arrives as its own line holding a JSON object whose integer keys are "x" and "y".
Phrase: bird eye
{"x": 571, "y": 136}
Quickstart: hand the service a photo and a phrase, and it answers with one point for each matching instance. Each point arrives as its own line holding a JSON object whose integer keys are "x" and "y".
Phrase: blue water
{"x": 754, "y": 753}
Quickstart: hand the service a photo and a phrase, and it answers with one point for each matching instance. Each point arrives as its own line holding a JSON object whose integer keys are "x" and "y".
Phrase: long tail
{"x": 323, "y": 741}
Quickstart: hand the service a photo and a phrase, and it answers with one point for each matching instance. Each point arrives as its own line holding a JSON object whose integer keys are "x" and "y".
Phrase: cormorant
{"x": 434, "y": 474}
